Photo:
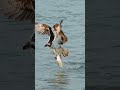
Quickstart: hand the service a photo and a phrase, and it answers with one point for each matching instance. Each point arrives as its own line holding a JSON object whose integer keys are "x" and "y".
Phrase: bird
{"x": 22, "y": 10}
{"x": 57, "y": 39}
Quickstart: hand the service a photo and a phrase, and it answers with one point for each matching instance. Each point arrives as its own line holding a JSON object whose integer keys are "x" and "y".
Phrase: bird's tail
{"x": 61, "y": 52}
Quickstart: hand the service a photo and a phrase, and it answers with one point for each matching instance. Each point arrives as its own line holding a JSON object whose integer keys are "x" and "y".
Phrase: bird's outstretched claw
{"x": 48, "y": 44}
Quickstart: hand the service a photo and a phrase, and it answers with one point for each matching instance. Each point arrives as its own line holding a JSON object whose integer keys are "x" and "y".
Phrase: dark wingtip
{"x": 61, "y": 21}
{"x": 28, "y": 45}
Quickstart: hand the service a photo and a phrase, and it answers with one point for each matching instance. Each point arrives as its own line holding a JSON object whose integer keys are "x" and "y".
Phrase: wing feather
{"x": 42, "y": 29}
{"x": 21, "y": 9}
{"x": 58, "y": 29}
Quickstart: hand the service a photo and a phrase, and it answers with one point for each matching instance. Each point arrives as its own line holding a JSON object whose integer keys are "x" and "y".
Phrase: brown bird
{"x": 56, "y": 39}
{"x": 21, "y": 10}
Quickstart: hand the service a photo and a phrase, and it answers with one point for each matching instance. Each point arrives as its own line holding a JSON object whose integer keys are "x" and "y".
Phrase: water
{"x": 48, "y": 76}
{"x": 16, "y": 65}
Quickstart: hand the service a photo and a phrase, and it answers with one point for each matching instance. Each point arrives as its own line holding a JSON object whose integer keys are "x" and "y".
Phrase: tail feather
{"x": 61, "y": 51}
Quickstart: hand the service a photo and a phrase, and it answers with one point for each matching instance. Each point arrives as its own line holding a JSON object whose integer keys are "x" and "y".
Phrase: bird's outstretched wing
{"x": 44, "y": 29}
{"x": 61, "y": 23}
{"x": 21, "y": 9}
{"x": 58, "y": 29}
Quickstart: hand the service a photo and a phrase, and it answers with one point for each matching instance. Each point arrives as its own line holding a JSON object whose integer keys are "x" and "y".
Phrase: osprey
{"x": 21, "y": 10}
{"x": 57, "y": 38}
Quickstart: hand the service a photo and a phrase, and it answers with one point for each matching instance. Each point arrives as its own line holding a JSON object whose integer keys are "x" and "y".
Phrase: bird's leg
{"x": 48, "y": 44}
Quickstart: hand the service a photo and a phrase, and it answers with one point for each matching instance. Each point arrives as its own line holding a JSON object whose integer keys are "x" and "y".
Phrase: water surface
{"x": 47, "y": 74}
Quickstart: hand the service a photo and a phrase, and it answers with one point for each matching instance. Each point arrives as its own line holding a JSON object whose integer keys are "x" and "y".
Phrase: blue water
{"x": 47, "y": 74}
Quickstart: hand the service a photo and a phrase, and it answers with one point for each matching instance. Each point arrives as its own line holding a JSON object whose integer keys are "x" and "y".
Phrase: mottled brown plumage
{"x": 21, "y": 10}
{"x": 57, "y": 39}
{"x": 63, "y": 37}
{"x": 58, "y": 29}
{"x": 44, "y": 29}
